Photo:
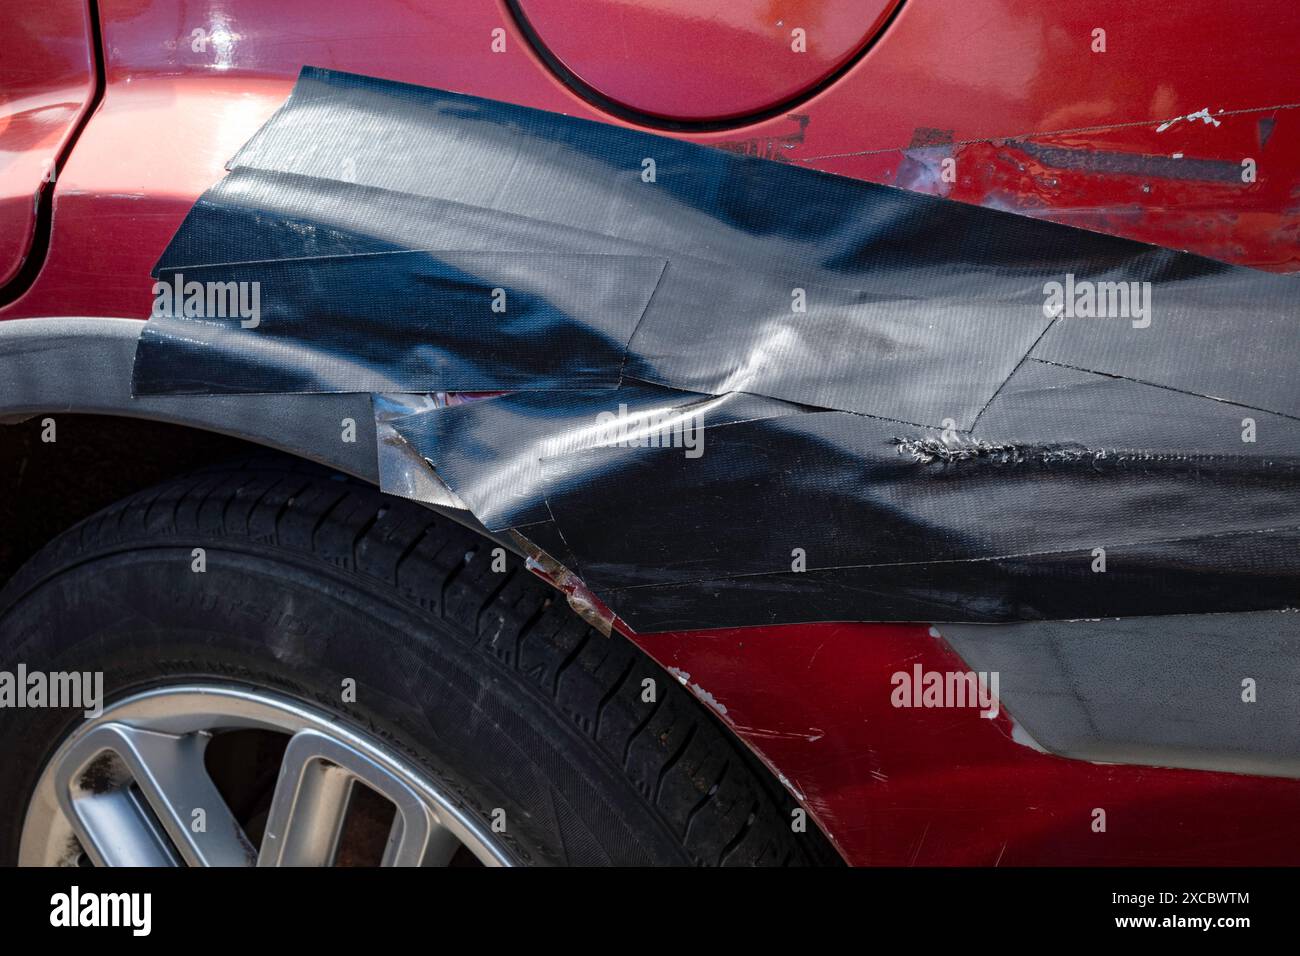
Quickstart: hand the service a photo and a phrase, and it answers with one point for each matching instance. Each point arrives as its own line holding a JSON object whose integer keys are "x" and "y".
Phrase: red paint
{"x": 908, "y": 786}
{"x": 704, "y": 59}
{"x": 1009, "y": 89}
{"x": 46, "y": 81}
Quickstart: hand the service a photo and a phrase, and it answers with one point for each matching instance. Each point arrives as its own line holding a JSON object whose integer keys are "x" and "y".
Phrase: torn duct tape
{"x": 403, "y": 471}
{"x": 583, "y": 602}
{"x": 750, "y": 392}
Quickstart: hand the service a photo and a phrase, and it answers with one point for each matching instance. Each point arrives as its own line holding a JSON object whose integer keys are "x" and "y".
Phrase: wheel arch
{"x": 80, "y": 367}
{"x": 72, "y": 365}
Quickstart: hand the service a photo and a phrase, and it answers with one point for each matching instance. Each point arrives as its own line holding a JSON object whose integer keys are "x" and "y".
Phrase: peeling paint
{"x": 1118, "y": 163}
{"x": 1203, "y": 114}
{"x": 785, "y": 782}
{"x": 813, "y": 734}
{"x": 1024, "y": 738}
{"x": 704, "y": 696}
{"x": 708, "y": 698}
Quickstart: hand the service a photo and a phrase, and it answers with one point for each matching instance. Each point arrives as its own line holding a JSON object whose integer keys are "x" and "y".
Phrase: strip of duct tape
{"x": 1062, "y": 460}
{"x": 1192, "y": 576}
{"x": 1159, "y": 691}
{"x": 847, "y": 490}
{"x": 403, "y": 471}
{"x": 465, "y": 321}
{"x": 764, "y": 517}
{"x": 766, "y": 334}
{"x": 506, "y": 455}
{"x": 1233, "y": 338}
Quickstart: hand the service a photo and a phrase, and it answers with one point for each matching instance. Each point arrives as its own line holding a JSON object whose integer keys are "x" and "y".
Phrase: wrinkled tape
{"x": 1006, "y": 528}
{"x": 380, "y": 320}
{"x": 745, "y": 392}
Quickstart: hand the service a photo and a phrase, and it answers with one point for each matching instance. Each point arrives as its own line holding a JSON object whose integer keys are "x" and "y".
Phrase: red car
{"x": 244, "y": 624}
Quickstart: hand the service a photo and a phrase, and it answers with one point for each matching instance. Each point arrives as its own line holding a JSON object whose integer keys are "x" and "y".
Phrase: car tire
{"x": 482, "y": 678}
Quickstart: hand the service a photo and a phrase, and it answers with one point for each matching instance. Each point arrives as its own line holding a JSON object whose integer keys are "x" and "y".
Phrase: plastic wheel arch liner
{"x": 743, "y": 392}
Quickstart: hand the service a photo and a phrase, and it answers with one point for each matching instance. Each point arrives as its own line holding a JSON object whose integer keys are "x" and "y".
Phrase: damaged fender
{"x": 742, "y": 392}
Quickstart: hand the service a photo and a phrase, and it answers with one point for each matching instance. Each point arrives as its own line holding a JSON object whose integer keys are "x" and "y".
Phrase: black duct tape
{"x": 508, "y": 456}
{"x": 470, "y": 321}
{"x": 734, "y": 515}
{"x": 1234, "y": 573}
{"x": 748, "y": 392}
{"x": 709, "y": 327}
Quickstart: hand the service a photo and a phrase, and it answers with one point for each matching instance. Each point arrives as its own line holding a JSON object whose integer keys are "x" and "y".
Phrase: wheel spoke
{"x": 311, "y": 800}
{"x": 309, "y": 806}
{"x": 434, "y": 846}
{"x": 106, "y": 800}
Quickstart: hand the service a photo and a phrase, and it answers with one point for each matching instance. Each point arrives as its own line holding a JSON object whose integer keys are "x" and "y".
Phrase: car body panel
{"x": 645, "y": 58}
{"x": 47, "y": 84}
{"x": 932, "y": 786}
